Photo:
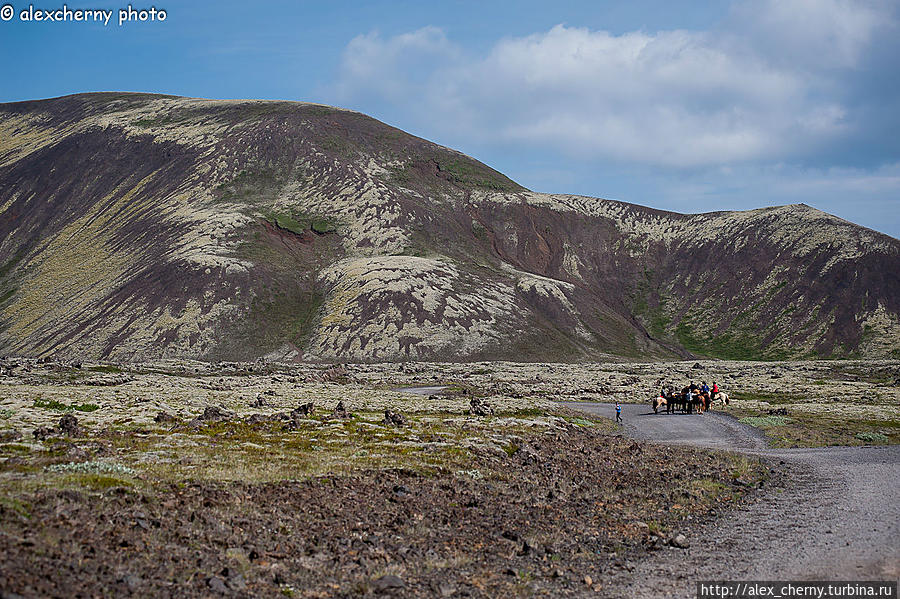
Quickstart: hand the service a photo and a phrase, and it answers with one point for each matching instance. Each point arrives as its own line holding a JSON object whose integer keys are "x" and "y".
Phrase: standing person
{"x": 715, "y": 389}
{"x": 618, "y": 412}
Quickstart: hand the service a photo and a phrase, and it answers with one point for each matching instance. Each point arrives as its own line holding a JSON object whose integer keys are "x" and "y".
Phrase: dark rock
{"x": 388, "y": 583}
{"x": 235, "y": 581}
{"x": 260, "y": 418}
{"x": 479, "y": 407}
{"x": 335, "y": 374}
{"x": 393, "y": 419}
{"x": 107, "y": 380}
{"x": 9, "y": 436}
{"x": 132, "y": 581}
{"x": 215, "y": 414}
{"x": 217, "y": 585}
{"x": 303, "y": 410}
{"x": 401, "y": 490}
{"x": 696, "y": 366}
{"x": 68, "y": 425}
{"x": 341, "y": 412}
{"x": 163, "y": 417}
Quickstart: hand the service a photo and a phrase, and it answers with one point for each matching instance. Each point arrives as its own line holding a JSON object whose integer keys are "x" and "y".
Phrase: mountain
{"x": 138, "y": 227}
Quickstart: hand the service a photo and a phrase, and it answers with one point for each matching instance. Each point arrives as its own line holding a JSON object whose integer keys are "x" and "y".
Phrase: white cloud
{"x": 671, "y": 98}
{"x": 810, "y": 33}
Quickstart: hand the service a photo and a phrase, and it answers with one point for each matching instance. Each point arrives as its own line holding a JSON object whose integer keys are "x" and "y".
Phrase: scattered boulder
{"x": 393, "y": 418}
{"x": 696, "y": 366}
{"x": 340, "y": 411}
{"x": 43, "y": 432}
{"x": 679, "y": 540}
{"x": 335, "y": 374}
{"x": 304, "y": 410}
{"x": 479, "y": 407}
{"x": 217, "y": 585}
{"x": 107, "y": 380}
{"x": 778, "y": 412}
{"x": 164, "y": 417}
{"x": 68, "y": 426}
{"x": 215, "y": 414}
{"x": 260, "y": 418}
{"x": 10, "y": 436}
{"x": 388, "y": 584}
{"x": 259, "y": 402}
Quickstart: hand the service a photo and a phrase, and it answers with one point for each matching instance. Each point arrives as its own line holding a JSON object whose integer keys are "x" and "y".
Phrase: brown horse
{"x": 706, "y": 401}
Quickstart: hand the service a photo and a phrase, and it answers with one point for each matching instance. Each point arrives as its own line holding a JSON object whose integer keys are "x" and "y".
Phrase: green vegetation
{"x": 52, "y": 404}
{"x": 256, "y": 184}
{"x": 819, "y": 429}
{"x": 469, "y": 173}
{"x": 455, "y": 169}
{"x": 95, "y": 467}
{"x": 653, "y": 315}
{"x": 8, "y": 287}
{"x": 299, "y": 222}
{"x": 764, "y": 421}
{"x": 107, "y": 368}
{"x": 158, "y": 121}
{"x": 739, "y": 342}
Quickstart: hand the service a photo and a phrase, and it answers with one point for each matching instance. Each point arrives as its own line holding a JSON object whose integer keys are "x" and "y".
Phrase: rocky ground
{"x": 191, "y": 479}
{"x": 837, "y": 519}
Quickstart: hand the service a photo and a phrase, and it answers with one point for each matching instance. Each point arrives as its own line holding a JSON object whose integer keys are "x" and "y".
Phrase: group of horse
{"x": 688, "y": 401}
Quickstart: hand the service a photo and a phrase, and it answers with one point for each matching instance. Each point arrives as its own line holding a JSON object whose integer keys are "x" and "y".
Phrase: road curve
{"x": 838, "y": 519}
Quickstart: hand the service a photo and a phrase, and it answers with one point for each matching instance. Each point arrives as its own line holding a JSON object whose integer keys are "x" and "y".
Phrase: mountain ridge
{"x": 141, "y": 226}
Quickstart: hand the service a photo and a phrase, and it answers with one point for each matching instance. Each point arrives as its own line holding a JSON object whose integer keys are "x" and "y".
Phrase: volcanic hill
{"x": 137, "y": 227}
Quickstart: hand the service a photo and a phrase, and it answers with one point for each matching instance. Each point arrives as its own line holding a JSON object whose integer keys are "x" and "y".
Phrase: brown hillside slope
{"x": 137, "y": 227}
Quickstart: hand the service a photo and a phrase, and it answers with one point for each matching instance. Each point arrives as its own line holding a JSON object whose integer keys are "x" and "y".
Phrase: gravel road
{"x": 837, "y": 519}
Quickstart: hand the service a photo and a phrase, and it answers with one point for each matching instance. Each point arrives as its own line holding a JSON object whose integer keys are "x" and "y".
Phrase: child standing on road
{"x": 618, "y": 412}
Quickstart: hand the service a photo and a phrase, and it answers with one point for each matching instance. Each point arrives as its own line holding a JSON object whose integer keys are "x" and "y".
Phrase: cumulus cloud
{"x": 761, "y": 87}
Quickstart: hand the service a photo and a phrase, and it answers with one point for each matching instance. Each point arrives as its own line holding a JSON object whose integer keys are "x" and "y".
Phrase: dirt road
{"x": 839, "y": 519}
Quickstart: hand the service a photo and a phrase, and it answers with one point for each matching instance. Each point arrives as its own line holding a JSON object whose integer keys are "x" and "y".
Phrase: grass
{"x": 733, "y": 344}
{"x": 16, "y": 505}
{"x": 806, "y": 429}
{"x": 300, "y": 222}
{"x": 266, "y": 452}
{"x": 765, "y": 421}
{"x": 58, "y": 406}
{"x": 107, "y": 368}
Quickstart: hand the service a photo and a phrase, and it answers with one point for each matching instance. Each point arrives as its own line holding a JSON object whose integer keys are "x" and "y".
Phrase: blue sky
{"x": 686, "y": 106}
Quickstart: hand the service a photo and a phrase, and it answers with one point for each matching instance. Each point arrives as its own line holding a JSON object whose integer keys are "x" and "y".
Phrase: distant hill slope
{"x": 137, "y": 227}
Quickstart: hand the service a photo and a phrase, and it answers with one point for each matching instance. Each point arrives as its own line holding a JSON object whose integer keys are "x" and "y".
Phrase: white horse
{"x": 658, "y": 402}
{"x": 722, "y": 398}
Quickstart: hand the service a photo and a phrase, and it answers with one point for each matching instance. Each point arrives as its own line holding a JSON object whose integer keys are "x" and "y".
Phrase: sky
{"x": 686, "y": 106}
